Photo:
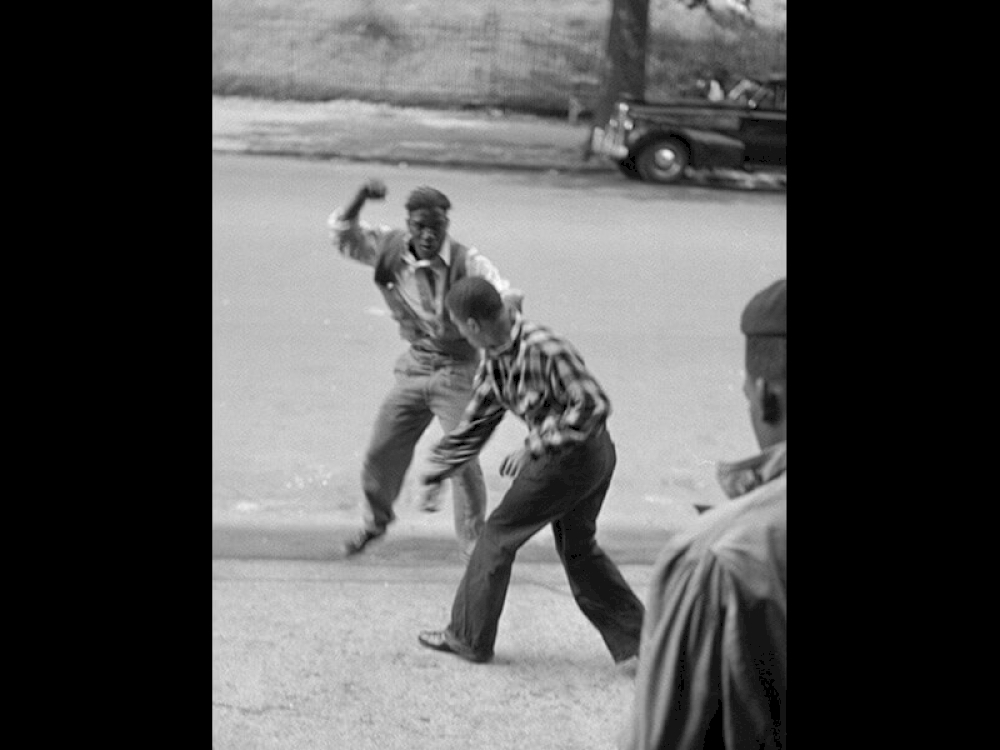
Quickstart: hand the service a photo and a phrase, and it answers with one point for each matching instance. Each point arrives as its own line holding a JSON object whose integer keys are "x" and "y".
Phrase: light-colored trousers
{"x": 427, "y": 386}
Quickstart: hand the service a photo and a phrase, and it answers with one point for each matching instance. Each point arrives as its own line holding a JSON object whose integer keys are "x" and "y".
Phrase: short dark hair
{"x": 766, "y": 357}
{"x": 427, "y": 197}
{"x": 474, "y": 297}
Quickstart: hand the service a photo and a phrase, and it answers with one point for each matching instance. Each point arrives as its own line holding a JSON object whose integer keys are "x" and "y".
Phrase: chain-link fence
{"x": 488, "y": 63}
{"x": 509, "y": 61}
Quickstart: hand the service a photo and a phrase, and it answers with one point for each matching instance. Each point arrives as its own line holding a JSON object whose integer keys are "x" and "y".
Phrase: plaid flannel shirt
{"x": 540, "y": 377}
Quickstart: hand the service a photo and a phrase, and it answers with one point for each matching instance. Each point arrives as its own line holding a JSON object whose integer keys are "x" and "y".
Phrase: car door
{"x": 763, "y": 132}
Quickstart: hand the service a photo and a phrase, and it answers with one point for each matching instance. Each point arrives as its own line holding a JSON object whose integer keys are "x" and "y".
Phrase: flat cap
{"x": 427, "y": 197}
{"x": 765, "y": 314}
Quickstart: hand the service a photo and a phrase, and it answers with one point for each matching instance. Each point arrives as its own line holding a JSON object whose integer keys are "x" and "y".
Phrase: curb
{"x": 746, "y": 182}
{"x": 407, "y": 546}
{"x": 421, "y": 161}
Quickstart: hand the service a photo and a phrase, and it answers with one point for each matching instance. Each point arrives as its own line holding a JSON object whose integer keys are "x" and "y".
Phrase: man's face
{"x": 471, "y": 333}
{"x": 764, "y": 397}
{"x": 428, "y": 227}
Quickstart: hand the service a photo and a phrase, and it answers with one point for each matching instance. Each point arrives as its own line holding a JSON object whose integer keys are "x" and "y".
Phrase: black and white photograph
{"x": 499, "y": 394}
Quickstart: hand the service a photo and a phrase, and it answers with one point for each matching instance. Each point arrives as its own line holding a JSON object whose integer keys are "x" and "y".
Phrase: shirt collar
{"x": 509, "y": 346}
{"x": 740, "y": 477}
{"x": 444, "y": 253}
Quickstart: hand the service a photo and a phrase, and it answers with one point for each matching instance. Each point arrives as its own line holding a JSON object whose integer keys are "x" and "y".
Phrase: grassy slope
{"x": 537, "y": 53}
{"x": 663, "y": 13}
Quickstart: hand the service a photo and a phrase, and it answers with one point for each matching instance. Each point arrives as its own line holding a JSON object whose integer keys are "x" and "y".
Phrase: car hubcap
{"x": 665, "y": 159}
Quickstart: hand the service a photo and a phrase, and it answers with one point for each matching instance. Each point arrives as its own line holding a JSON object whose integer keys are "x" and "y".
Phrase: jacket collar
{"x": 740, "y": 477}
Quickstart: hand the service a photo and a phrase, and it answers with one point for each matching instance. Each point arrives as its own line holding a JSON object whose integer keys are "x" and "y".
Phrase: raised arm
{"x": 352, "y": 237}
{"x": 373, "y": 188}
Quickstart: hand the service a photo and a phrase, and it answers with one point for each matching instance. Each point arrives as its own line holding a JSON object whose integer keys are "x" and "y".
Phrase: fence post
{"x": 491, "y": 30}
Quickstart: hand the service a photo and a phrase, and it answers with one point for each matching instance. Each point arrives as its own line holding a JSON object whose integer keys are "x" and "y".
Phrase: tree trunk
{"x": 624, "y": 71}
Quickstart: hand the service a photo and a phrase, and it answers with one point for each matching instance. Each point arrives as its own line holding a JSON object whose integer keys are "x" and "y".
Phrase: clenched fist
{"x": 374, "y": 188}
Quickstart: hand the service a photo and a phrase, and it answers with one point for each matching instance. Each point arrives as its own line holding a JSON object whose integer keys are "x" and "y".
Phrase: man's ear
{"x": 473, "y": 325}
{"x": 769, "y": 401}
{"x": 452, "y": 316}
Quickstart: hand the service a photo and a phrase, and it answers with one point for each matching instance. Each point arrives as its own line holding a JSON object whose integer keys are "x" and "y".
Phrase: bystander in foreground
{"x": 713, "y": 668}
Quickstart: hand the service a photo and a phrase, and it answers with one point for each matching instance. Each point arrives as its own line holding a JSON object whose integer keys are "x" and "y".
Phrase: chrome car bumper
{"x": 608, "y": 143}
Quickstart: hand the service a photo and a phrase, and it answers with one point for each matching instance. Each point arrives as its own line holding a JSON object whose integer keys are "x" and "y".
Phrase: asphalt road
{"x": 648, "y": 283}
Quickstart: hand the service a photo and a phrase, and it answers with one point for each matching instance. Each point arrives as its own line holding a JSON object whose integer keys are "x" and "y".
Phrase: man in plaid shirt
{"x": 561, "y": 475}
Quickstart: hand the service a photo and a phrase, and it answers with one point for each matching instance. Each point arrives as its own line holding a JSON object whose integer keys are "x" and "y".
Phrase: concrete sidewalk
{"x": 367, "y": 131}
{"x": 466, "y": 139}
{"x": 324, "y": 656}
{"x": 312, "y": 651}
{"x": 412, "y": 540}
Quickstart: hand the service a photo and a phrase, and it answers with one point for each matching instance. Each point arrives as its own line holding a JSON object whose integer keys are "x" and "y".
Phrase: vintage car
{"x": 659, "y": 141}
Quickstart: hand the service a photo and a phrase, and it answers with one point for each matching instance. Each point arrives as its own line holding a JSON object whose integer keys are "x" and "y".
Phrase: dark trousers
{"x": 567, "y": 491}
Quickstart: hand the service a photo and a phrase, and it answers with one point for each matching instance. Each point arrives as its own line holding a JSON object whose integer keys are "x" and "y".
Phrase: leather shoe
{"x": 437, "y": 640}
{"x": 359, "y": 541}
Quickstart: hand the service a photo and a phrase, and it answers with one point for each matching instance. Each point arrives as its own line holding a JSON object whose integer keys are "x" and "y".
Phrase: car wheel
{"x": 627, "y": 168}
{"x": 662, "y": 160}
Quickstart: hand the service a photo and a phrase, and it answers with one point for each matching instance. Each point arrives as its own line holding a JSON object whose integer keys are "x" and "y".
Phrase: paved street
{"x": 648, "y": 285}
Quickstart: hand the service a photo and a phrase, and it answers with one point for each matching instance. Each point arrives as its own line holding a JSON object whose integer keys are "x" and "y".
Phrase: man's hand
{"x": 511, "y": 466}
{"x": 374, "y": 189}
{"x": 429, "y": 496}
